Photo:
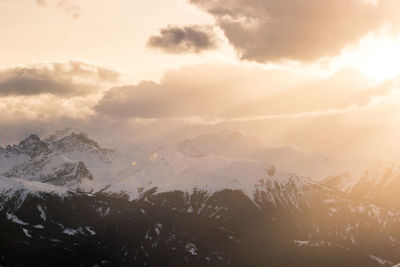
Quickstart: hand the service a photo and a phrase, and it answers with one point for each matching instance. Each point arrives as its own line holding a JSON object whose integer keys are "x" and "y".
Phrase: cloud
{"x": 204, "y": 90}
{"x": 69, "y": 79}
{"x": 73, "y": 9}
{"x": 199, "y": 99}
{"x": 87, "y": 95}
{"x": 373, "y": 103}
{"x": 151, "y": 100}
{"x": 202, "y": 94}
{"x": 340, "y": 90}
{"x": 299, "y": 30}
{"x": 189, "y": 39}
{"x": 193, "y": 93}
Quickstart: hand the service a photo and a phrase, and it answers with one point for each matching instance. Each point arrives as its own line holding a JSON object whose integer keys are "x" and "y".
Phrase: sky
{"x": 321, "y": 76}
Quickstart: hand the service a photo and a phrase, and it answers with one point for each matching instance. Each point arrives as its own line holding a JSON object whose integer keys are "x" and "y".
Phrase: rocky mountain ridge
{"x": 65, "y": 192}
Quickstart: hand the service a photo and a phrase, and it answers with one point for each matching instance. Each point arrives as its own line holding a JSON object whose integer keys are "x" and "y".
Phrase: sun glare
{"x": 377, "y": 57}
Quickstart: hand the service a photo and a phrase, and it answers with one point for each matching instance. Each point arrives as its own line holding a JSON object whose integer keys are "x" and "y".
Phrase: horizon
{"x": 191, "y": 73}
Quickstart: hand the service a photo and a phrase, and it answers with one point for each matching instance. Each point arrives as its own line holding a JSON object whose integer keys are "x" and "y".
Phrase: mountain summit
{"x": 66, "y": 194}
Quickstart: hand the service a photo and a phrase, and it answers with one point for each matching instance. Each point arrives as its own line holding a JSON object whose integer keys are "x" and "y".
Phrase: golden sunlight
{"x": 207, "y": 133}
{"x": 378, "y": 57}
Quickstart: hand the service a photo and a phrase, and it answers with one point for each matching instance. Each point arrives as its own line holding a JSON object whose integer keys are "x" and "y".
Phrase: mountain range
{"x": 220, "y": 199}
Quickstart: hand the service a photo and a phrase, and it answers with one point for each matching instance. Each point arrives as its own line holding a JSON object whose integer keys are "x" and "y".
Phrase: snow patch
{"x": 14, "y": 219}
{"x": 72, "y": 232}
{"x": 90, "y": 230}
{"x": 191, "y": 248}
{"x": 42, "y": 213}
{"x": 26, "y": 232}
{"x": 380, "y": 261}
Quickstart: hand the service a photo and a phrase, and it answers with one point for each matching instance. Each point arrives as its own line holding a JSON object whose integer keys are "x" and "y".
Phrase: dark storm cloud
{"x": 61, "y": 79}
{"x": 190, "y": 39}
{"x": 300, "y": 30}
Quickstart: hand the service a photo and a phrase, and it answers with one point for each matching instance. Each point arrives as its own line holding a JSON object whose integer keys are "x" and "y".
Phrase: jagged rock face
{"x": 75, "y": 141}
{"x": 70, "y": 140}
{"x": 68, "y": 174}
{"x": 49, "y": 162}
{"x": 31, "y": 146}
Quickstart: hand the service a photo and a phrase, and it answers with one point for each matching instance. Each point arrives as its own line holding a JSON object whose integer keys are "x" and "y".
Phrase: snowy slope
{"x": 233, "y": 144}
{"x": 169, "y": 170}
{"x": 379, "y": 182}
{"x": 67, "y": 158}
{"x": 225, "y": 142}
{"x": 222, "y": 180}
{"x": 213, "y": 162}
{"x": 14, "y": 192}
{"x": 72, "y": 160}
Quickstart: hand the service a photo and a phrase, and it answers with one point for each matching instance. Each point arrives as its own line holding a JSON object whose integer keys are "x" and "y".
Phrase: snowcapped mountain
{"x": 234, "y": 144}
{"x": 215, "y": 200}
{"x": 168, "y": 170}
{"x": 217, "y": 161}
{"x": 67, "y": 158}
{"x": 71, "y": 159}
{"x": 55, "y": 161}
{"x": 225, "y": 142}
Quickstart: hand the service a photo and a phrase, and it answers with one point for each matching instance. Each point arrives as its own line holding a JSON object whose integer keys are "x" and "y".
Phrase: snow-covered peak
{"x": 225, "y": 142}
{"x": 32, "y": 146}
{"x": 233, "y": 144}
{"x": 168, "y": 170}
{"x": 60, "y": 134}
{"x": 70, "y": 140}
{"x": 75, "y": 141}
{"x": 216, "y": 161}
{"x": 67, "y": 158}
